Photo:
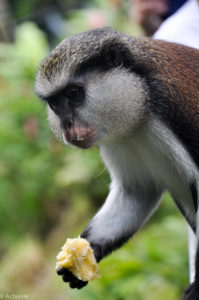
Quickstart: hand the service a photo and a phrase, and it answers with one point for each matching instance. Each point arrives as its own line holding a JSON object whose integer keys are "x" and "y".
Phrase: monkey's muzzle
{"x": 80, "y": 135}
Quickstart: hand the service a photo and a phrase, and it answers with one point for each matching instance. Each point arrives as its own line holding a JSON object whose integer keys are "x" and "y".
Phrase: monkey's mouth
{"x": 80, "y": 135}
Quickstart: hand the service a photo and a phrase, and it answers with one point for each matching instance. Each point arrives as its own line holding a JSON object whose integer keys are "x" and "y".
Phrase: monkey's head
{"x": 93, "y": 89}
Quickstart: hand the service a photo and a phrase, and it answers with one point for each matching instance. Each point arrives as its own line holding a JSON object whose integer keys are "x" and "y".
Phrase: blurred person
{"x": 149, "y": 14}
{"x": 183, "y": 26}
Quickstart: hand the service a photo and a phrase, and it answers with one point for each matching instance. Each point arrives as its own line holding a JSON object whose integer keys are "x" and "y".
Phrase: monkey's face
{"x": 91, "y": 105}
{"x": 98, "y": 108}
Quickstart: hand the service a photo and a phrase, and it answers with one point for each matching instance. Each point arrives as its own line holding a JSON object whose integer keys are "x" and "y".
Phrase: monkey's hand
{"x": 73, "y": 281}
{"x": 77, "y": 263}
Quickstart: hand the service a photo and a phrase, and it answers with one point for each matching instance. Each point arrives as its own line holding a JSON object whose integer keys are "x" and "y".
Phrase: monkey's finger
{"x": 78, "y": 284}
{"x": 66, "y": 274}
{"x": 68, "y": 277}
{"x": 60, "y": 271}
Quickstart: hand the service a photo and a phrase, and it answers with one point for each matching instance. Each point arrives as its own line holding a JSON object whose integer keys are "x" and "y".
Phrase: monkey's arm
{"x": 123, "y": 213}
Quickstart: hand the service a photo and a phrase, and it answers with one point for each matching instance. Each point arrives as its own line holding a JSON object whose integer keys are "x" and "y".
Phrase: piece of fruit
{"x": 77, "y": 256}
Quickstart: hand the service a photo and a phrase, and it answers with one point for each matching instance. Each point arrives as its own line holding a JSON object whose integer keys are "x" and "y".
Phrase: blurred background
{"x": 48, "y": 192}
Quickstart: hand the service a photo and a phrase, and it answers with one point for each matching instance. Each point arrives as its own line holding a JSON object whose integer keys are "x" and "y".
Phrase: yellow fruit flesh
{"x": 77, "y": 256}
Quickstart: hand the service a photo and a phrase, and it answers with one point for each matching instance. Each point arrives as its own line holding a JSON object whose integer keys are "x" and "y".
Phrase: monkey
{"x": 137, "y": 100}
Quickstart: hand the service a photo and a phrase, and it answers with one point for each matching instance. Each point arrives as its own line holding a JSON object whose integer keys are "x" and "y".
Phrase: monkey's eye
{"x": 75, "y": 94}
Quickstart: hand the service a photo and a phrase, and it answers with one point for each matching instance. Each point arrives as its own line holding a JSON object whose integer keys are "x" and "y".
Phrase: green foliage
{"x": 35, "y": 169}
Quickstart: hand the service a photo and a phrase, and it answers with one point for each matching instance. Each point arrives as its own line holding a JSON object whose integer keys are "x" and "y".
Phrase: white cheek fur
{"x": 115, "y": 101}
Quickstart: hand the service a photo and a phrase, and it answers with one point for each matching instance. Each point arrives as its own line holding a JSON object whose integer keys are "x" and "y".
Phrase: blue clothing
{"x": 174, "y": 5}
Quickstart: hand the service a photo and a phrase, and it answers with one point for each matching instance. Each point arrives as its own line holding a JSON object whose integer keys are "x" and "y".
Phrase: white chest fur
{"x": 154, "y": 156}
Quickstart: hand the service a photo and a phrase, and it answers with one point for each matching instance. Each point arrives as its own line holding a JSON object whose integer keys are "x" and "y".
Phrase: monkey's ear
{"x": 117, "y": 54}
{"x": 113, "y": 55}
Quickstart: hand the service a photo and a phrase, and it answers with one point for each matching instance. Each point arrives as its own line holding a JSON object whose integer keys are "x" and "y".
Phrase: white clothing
{"x": 182, "y": 27}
